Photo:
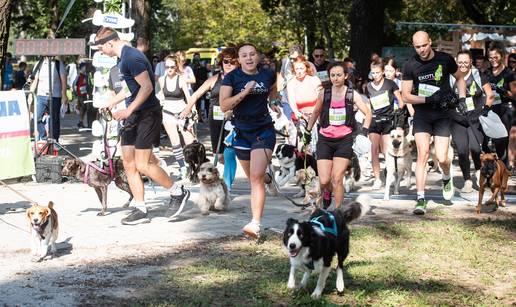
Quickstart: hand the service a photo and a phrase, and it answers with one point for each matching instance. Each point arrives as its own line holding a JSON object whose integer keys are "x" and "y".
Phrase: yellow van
{"x": 207, "y": 54}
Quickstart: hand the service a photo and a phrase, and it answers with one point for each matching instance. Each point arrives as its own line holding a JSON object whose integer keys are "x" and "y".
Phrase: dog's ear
{"x": 50, "y": 204}
{"x": 291, "y": 221}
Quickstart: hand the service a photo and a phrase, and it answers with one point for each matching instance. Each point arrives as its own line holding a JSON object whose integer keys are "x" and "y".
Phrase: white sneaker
{"x": 112, "y": 20}
{"x": 468, "y": 186}
{"x": 377, "y": 184}
{"x": 183, "y": 171}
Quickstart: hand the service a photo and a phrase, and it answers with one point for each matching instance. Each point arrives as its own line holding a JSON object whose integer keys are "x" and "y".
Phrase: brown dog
{"x": 493, "y": 174}
{"x": 44, "y": 229}
{"x": 99, "y": 181}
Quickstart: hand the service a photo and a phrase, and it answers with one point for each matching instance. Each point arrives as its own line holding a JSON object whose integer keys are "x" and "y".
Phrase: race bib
{"x": 82, "y": 90}
{"x": 380, "y": 101}
{"x": 126, "y": 90}
{"x": 337, "y": 116}
{"x": 497, "y": 98}
{"x": 469, "y": 104}
{"x": 217, "y": 113}
{"x": 323, "y": 75}
{"x": 426, "y": 90}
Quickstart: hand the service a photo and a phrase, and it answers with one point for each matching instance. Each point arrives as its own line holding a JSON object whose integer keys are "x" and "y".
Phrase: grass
{"x": 444, "y": 262}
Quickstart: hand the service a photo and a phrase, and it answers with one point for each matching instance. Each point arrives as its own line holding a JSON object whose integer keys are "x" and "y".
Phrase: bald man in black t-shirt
{"x": 425, "y": 85}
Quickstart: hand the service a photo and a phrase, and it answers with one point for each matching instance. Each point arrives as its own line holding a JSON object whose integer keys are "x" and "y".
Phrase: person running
{"x": 245, "y": 91}
{"x": 425, "y": 84}
{"x": 303, "y": 90}
{"x": 465, "y": 126}
{"x": 401, "y": 114}
{"x": 381, "y": 93}
{"x": 334, "y": 110}
{"x": 175, "y": 94}
{"x": 500, "y": 77}
{"x": 142, "y": 121}
{"x": 228, "y": 62}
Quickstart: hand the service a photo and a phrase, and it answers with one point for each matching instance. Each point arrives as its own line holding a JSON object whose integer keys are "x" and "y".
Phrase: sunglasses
{"x": 226, "y": 61}
{"x": 170, "y": 67}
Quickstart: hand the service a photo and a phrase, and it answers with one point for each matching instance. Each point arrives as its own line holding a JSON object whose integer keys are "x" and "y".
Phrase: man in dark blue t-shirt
{"x": 142, "y": 122}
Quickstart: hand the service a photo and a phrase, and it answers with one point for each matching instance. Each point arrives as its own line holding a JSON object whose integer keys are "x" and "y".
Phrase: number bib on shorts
{"x": 426, "y": 90}
{"x": 497, "y": 99}
{"x": 380, "y": 101}
{"x": 217, "y": 113}
{"x": 470, "y": 105}
{"x": 337, "y": 116}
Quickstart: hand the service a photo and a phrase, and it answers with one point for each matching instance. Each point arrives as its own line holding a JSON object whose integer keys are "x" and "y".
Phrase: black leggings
{"x": 501, "y": 145}
{"x": 215, "y": 127}
{"x": 467, "y": 139}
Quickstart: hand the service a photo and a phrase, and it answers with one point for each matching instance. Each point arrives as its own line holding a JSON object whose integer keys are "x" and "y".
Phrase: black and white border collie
{"x": 313, "y": 244}
{"x": 290, "y": 161}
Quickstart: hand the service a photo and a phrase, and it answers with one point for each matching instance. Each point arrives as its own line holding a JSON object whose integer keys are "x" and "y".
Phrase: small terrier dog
{"x": 213, "y": 190}
{"x": 44, "y": 228}
{"x": 312, "y": 188}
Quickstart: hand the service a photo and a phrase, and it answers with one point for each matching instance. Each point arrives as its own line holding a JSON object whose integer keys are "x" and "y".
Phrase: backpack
{"x": 349, "y": 105}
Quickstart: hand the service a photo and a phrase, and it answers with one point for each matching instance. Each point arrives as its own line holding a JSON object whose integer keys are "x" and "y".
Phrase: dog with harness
{"x": 313, "y": 244}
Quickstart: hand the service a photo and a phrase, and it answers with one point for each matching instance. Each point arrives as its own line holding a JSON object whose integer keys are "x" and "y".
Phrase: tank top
{"x": 176, "y": 94}
{"x": 215, "y": 112}
{"x": 337, "y": 116}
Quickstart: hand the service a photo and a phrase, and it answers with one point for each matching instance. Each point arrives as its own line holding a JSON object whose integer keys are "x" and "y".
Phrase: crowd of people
{"x": 436, "y": 94}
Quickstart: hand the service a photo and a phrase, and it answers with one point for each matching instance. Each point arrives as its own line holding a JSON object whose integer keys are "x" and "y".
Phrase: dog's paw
{"x": 316, "y": 295}
{"x": 101, "y": 213}
{"x": 126, "y": 204}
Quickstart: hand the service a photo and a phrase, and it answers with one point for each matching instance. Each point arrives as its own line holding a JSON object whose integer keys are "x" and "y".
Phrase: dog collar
{"x": 332, "y": 230}
{"x": 41, "y": 229}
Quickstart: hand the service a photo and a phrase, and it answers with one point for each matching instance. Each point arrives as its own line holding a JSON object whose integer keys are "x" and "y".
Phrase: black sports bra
{"x": 176, "y": 94}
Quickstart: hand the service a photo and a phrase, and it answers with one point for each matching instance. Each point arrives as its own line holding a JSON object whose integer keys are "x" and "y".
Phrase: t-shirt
{"x": 115, "y": 79}
{"x": 429, "y": 76}
{"x": 252, "y": 111}
{"x": 43, "y": 80}
{"x": 475, "y": 99}
{"x": 382, "y": 100}
{"x": 502, "y": 80}
{"x": 19, "y": 79}
{"x": 132, "y": 63}
{"x": 304, "y": 92}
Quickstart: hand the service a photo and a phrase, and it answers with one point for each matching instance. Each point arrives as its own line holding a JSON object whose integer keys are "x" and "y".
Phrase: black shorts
{"x": 327, "y": 149}
{"x": 144, "y": 130}
{"x": 434, "y": 122}
{"x": 382, "y": 127}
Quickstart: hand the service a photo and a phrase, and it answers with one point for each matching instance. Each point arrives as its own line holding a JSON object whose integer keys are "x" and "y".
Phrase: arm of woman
{"x": 316, "y": 112}
{"x": 228, "y": 102}
{"x": 489, "y": 94}
{"x": 364, "y": 108}
{"x": 189, "y": 102}
{"x": 397, "y": 93}
{"x": 411, "y": 109}
{"x": 161, "y": 82}
{"x": 292, "y": 99}
{"x": 206, "y": 86}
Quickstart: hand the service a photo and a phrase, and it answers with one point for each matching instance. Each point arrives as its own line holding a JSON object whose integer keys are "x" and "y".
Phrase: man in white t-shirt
{"x": 41, "y": 86}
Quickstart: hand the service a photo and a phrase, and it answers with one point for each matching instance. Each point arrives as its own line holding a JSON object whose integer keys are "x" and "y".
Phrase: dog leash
{"x": 18, "y": 193}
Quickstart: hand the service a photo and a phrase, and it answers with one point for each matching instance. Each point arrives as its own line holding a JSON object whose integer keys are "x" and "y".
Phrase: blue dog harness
{"x": 332, "y": 230}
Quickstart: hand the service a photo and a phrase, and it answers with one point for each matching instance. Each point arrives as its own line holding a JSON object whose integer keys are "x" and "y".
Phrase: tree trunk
{"x": 325, "y": 29}
{"x": 54, "y": 20}
{"x": 141, "y": 15}
{"x": 367, "y": 32}
{"x": 5, "y": 20}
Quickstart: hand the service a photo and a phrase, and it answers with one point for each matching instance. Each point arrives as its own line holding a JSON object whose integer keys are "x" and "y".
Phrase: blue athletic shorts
{"x": 245, "y": 141}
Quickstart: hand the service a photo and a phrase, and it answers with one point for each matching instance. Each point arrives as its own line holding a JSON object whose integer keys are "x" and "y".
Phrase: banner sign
{"x": 16, "y": 158}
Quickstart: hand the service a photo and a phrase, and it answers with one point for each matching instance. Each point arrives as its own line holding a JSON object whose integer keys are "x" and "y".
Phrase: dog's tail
{"x": 356, "y": 209}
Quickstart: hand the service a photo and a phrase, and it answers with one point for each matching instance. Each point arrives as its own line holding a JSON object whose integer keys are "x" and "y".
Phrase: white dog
{"x": 398, "y": 162}
{"x": 213, "y": 190}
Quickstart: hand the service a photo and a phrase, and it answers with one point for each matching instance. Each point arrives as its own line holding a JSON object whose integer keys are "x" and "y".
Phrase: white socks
{"x": 421, "y": 195}
{"x": 175, "y": 189}
{"x": 140, "y": 206}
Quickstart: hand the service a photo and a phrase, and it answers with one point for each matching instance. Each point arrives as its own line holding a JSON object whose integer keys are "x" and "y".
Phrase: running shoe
{"x": 468, "y": 186}
{"x": 252, "y": 230}
{"x": 179, "y": 202}
{"x": 420, "y": 208}
{"x": 135, "y": 217}
{"x": 448, "y": 189}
